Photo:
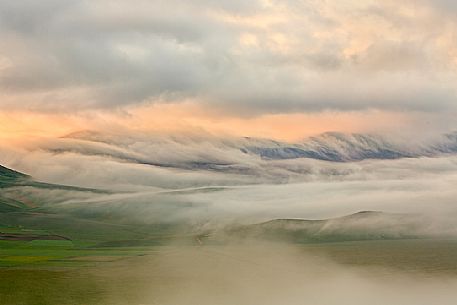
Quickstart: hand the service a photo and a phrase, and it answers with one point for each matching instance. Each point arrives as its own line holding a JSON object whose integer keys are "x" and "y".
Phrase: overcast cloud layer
{"x": 245, "y": 56}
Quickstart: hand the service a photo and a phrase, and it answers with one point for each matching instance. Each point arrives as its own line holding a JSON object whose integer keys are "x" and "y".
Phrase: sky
{"x": 276, "y": 69}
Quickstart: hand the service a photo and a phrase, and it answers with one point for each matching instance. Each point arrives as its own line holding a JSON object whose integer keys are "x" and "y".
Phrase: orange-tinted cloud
{"x": 17, "y": 124}
{"x": 194, "y": 117}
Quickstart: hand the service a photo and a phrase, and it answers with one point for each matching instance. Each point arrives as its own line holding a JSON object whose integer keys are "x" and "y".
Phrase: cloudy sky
{"x": 280, "y": 69}
{"x": 283, "y": 70}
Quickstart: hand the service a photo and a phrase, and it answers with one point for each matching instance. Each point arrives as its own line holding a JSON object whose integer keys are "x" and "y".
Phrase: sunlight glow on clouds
{"x": 191, "y": 117}
{"x": 263, "y": 59}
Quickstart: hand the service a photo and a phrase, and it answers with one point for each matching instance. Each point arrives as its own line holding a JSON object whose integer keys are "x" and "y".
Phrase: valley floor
{"x": 263, "y": 273}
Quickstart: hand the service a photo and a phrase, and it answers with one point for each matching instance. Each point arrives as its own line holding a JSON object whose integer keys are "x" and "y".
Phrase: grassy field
{"x": 58, "y": 272}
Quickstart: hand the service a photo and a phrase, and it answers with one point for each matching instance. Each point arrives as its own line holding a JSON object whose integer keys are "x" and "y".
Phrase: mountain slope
{"x": 18, "y": 191}
{"x": 336, "y": 147}
{"x": 9, "y": 176}
{"x": 195, "y": 152}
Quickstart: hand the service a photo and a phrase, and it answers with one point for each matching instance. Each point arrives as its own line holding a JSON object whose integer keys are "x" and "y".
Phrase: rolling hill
{"x": 365, "y": 225}
{"x": 31, "y": 210}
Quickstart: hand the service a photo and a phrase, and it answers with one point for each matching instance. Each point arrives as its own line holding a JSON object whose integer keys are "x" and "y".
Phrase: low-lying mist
{"x": 269, "y": 274}
{"x": 260, "y": 189}
{"x": 225, "y": 202}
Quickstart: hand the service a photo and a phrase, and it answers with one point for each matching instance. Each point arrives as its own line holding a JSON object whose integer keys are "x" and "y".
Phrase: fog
{"x": 245, "y": 189}
{"x": 248, "y": 189}
{"x": 267, "y": 274}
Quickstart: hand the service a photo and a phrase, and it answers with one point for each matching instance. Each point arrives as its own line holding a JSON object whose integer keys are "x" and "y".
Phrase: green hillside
{"x": 10, "y": 177}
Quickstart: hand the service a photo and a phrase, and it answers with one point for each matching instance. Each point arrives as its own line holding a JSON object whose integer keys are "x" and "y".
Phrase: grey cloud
{"x": 127, "y": 53}
{"x": 444, "y": 5}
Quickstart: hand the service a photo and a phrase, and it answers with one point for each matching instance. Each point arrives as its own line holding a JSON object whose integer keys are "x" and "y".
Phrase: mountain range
{"x": 233, "y": 154}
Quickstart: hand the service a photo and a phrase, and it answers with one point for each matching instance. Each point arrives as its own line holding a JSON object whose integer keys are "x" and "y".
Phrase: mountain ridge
{"x": 330, "y": 146}
{"x": 363, "y": 225}
{"x": 10, "y": 173}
